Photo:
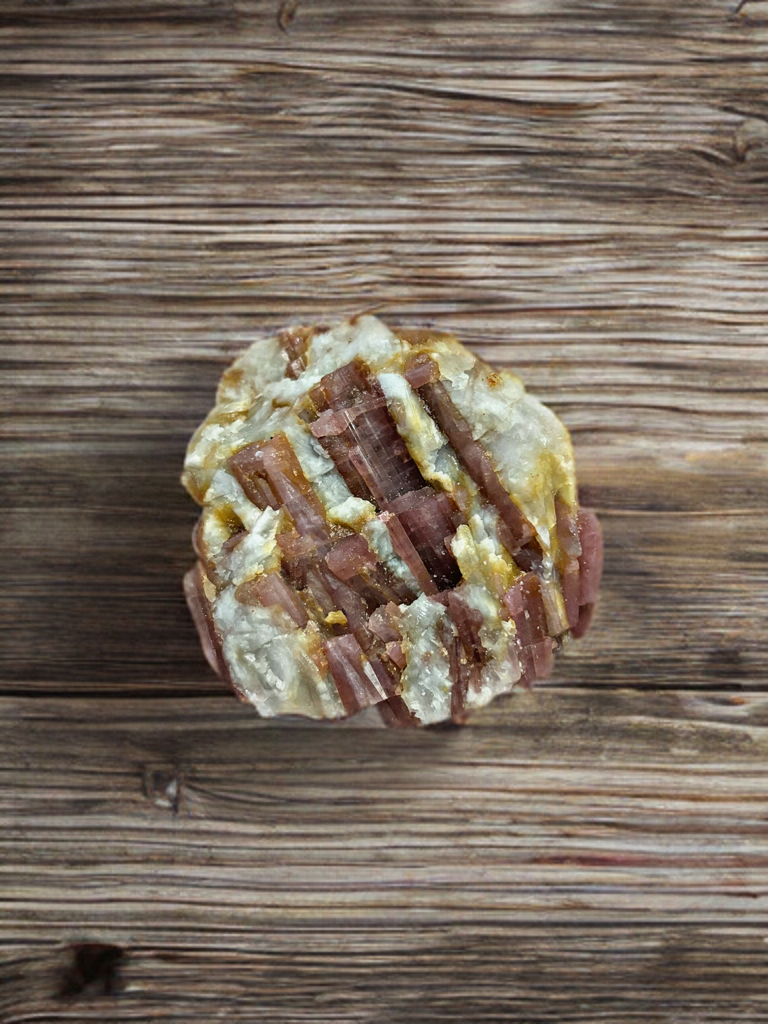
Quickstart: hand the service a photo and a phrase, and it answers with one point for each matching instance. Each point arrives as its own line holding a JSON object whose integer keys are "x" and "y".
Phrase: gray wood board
{"x": 580, "y": 191}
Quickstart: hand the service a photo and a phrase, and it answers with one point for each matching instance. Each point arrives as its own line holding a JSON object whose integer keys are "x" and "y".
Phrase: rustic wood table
{"x": 579, "y": 189}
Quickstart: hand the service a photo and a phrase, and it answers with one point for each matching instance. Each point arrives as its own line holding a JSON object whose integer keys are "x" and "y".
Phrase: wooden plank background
{"x": 579, "y": 189}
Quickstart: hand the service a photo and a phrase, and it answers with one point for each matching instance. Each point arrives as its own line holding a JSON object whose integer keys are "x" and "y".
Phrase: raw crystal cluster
{"x": 386, "y": 521}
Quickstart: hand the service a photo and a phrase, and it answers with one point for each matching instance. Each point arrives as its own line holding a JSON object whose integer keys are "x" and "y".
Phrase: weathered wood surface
{"x": 577, "y": 188}
{"x": 567, "y": 861}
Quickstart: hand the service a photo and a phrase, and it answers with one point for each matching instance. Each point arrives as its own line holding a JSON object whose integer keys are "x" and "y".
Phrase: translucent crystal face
{"x": 386, "y": 521}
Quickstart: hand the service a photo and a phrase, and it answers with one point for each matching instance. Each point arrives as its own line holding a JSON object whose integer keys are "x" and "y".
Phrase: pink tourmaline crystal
{"x": 386, "y": 521}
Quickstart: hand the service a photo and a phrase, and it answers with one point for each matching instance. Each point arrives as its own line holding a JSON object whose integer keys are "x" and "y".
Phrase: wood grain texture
{"x": 562, "y": 860}
{"x": 579, "y": 190}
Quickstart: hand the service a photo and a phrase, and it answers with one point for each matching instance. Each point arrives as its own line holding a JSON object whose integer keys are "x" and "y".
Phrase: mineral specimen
{"x": 386, "y": 521}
